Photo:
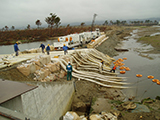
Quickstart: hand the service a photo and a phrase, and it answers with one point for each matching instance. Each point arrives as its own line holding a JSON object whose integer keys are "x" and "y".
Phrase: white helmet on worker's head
{"x": 68, "y": 62}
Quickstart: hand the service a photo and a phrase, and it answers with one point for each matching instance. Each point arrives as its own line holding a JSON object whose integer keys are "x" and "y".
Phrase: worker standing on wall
{"x": 69, "y": 71}
{"x": 65, "y": 48}
{"x": 42, "y": 46}
{"x": 16, "y": 49}
{"x": 48, "y": 49}
{"x": 113, "y": 69}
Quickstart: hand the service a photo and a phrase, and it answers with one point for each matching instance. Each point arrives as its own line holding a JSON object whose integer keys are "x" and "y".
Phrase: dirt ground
{"x": 87, "y": 92}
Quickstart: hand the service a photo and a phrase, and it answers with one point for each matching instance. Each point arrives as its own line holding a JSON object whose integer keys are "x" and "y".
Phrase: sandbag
{"x": 95, "y": 117}
{"x": 71, "y": 116}
{"x": 37, "y": 64}
{"x": 32, "y": 67}
{"x": 45, "y": 59}
{"x": 53, "y": 67}
{"x": 24, "y": 69}
{"x": 40, "y": 75}
{"x": 46, "y": 72}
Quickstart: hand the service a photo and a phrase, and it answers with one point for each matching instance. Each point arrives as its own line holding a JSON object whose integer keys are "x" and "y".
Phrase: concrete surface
{"x": 49, "y": 101}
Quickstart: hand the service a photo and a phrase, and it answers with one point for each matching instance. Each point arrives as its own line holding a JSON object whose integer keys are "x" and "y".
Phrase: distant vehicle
{"x": 76, "y": 39}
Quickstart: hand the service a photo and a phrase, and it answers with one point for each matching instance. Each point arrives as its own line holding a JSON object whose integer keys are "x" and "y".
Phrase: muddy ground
{"x": 87, "y": 92}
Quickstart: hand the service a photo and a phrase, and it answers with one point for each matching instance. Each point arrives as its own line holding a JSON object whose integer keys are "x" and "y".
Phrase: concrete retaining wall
{"x": 49, "y": 101}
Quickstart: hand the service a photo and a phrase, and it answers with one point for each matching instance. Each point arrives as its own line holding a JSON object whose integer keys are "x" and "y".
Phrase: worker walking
{"x": 65, "y": 48}
{"x": 69, "y": 71}
{"x": 48, "y": 49}
{"x": 16, "y": 49}
{"x": 113, "y": 69}
{"x": 43, "y": 47}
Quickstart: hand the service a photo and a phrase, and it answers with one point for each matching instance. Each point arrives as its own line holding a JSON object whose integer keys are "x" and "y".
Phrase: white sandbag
{"x": 48, "y": 58}
{"x": 71, "y": 116}
{"x": 37, "y": 64}
{"x": 68, "y": 116}
{"x": 75, "y": 115}
{"x": 24, "y": 69}
{"x": 32, "y": 67}
{"x": 45, "y": 59}
{"x": 95, "y": 117}
{"x": 82, "y": 117}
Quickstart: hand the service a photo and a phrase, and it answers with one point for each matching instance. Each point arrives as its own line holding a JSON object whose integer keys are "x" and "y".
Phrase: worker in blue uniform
{"x": 69, "y": 71}
{"x": 65, "y": 48}
{"x": 48, "y": 49}
{"x": 16, "y": 49}
{"x": 43, "y": 47}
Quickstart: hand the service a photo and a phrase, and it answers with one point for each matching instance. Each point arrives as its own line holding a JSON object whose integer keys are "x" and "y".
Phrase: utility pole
{"x": 94, "y": 16}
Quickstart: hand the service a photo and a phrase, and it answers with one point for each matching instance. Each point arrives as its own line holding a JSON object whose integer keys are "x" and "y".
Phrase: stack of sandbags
{"x": 27, "y": 68}
{"x": 99, "y": 39}
{"x": 41, "y": 74}
{"x": 44, "y": 59}
{"x": 44, "y": 76}
{"x": 53, "y": 67}
{"x": 34, "y": 64}
{"x": 34, "y": 50}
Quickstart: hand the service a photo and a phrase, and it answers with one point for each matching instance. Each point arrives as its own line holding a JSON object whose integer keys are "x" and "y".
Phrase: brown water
{"x": 139, "y": 63}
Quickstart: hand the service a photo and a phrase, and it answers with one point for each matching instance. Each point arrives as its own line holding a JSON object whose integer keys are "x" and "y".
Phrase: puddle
{"x": 139, "y": 63}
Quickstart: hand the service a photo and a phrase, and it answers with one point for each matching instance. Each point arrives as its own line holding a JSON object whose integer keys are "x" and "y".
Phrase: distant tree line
{"x": 124, "y": 22}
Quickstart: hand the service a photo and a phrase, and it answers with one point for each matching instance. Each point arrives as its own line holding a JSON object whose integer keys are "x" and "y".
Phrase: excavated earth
{"x": 87, "y": 92}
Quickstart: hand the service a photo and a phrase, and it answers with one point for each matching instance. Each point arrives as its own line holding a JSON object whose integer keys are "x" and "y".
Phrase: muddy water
{"x": 9, "y": 49}
{"x": 139, "y": 63}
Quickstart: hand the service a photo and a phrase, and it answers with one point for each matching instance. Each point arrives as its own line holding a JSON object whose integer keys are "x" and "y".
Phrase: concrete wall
{"x": 48, "y": 101}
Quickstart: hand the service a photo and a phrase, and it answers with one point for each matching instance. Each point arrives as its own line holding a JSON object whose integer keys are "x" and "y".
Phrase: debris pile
{"x": 86, "y": 66}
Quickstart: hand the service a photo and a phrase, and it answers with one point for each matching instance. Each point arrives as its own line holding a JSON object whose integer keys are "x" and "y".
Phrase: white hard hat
{"x": 68, "y": 62}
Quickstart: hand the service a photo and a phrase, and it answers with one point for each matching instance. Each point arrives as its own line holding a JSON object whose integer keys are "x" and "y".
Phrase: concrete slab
{"x": 11, "y": 89}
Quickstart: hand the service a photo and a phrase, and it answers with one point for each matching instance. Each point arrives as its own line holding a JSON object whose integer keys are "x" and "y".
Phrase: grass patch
{"x": 152, "y": 40}
{"x": 93, "y": 102}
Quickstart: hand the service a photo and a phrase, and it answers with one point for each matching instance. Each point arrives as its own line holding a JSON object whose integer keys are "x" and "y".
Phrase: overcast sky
{"x": 20, "y": 13}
